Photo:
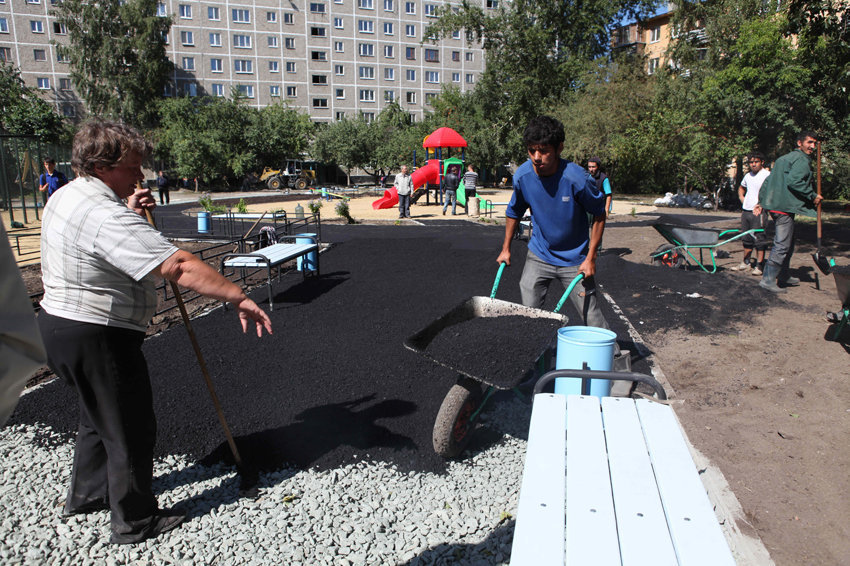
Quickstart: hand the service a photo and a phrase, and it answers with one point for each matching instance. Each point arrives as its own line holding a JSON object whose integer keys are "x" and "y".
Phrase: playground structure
{"x": 433, "y": 171}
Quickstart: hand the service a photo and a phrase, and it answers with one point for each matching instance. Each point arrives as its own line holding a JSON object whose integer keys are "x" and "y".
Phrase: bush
{"x": 343, "y": 210}
{"x": 207, "y": 202}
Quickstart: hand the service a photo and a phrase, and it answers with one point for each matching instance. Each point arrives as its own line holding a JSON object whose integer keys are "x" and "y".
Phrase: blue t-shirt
{"x": 559, "y": 207}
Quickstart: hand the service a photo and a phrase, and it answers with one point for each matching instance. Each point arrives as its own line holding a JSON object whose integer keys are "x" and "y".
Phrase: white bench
{"x": 618, "y": 488}
{"x": 275, "y": 256}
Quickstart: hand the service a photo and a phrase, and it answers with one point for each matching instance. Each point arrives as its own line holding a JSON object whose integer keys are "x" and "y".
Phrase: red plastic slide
{"x": 430, "y": 173}
{"x": 389, "y": 200}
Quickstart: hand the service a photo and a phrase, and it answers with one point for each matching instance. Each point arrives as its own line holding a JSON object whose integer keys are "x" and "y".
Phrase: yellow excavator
{"x": 294, "y": 174}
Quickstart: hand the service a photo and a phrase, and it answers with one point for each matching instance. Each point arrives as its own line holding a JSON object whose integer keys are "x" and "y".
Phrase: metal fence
{"x": 21, "y": 159}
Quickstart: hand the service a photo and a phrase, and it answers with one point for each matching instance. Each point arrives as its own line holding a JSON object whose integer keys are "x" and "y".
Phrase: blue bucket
{"x": 579, "y": 345}
{"x": 310, "y": 262}
{"x": 203, "y": 222}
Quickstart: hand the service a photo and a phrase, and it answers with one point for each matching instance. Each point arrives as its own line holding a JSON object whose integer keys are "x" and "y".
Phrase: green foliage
{"x": 242, "y": 206}
{"x": 277, "y": 133}
{"x": 349, "y": 143}
{"x": 24, "y": 112}
{"x": 342, "y": 209}
{"x": 117, "y": 55}
{"x": 209, "y": 205}
{"x": 315, "y": 206}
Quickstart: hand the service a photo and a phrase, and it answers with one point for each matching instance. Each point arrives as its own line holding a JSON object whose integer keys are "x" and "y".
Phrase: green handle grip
{"x": 569, "y": 290}
{"x": 498, "y": 278}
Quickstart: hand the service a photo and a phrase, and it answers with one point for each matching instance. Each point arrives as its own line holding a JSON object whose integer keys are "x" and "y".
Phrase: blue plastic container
{"x": 203, "y": 222}
{"x": 310, "y": 262}
{"x": 579, "y": 345}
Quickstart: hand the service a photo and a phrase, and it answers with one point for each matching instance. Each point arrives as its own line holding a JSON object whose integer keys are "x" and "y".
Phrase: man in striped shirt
{"x": 100, "y": 263}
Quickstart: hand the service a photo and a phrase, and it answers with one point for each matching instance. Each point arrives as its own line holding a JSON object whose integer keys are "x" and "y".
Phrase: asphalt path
{"x": 334, "y": 384}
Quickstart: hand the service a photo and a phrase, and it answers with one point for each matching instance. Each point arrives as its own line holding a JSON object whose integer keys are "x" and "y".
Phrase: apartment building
{"x": 649, "y": 38}
{"x": 330, "y": 58}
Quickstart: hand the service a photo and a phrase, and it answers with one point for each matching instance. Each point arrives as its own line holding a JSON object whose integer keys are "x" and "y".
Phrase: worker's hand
{"x": 43, "y": 187}
{"x": 757, "y": 210}
{"x": 588, "y": 267}
{"x": 248, "y": 310}
{"x": 818, "y": 200}
{"x": 504, "y": 257}
{"x": 140, "y": 200}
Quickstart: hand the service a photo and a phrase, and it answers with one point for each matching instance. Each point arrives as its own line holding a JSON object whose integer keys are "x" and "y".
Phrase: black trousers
{"x": 113, "y": 457}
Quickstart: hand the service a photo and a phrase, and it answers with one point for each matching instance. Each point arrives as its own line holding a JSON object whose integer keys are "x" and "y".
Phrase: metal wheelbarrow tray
{"x": 465, "y": 399}
{"x": 842, "y": 287}
{"x": 683, "y": 237}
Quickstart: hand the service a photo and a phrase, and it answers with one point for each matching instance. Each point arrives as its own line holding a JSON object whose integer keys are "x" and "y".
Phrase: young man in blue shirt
{"x": 51, "y": 180}
{"x": 560, "y": 195}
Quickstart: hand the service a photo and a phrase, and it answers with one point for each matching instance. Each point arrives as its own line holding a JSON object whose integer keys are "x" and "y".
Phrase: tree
{"x": 348, "y": 143}
{"x": 117, "y": 54}
{"x": 277, "y": 133}
{"x": 24, "y": 112}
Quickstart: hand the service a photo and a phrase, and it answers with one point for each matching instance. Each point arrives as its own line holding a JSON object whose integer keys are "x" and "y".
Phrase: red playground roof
{"x": 444, "y": 137}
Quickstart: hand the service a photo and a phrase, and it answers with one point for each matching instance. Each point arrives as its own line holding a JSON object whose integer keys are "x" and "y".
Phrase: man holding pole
{"x": 100, "y": 262}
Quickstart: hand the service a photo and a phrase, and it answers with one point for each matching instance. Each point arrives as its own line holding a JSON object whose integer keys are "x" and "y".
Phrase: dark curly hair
{"x": 543, "y": 130}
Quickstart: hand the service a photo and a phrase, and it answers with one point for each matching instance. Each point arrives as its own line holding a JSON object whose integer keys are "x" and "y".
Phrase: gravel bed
{"x": 365, "y": 513}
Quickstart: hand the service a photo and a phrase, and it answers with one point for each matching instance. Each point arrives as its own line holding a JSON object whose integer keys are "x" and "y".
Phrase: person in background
{"x": 100, "y": 264}
{"x": 786, "y": 193}
{"x": 470, "y": 184}
{"x": 162, "y": 183}
{"x": 603, "y": 183}
{"x": 51, "y": 180}
{"x": 403, "y": 186}
{"x": 748, "y": 192}
{"x": 451, "y": 182}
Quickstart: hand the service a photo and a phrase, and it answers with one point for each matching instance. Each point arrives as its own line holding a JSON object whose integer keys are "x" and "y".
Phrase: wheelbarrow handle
{"x": 569, "y": 290}
{"x": 498, "y": 279}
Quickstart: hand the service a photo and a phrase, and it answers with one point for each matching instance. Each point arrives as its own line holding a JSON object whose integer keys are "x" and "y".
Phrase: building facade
{"x": 650, "y": 38}
{"x": 329, "y": 58}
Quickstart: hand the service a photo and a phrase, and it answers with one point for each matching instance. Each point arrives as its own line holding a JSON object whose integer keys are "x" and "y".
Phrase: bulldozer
{"x": 294, "y": 174}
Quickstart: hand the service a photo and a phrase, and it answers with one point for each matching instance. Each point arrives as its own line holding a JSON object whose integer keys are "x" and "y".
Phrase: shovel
{"x": 824, "y": 264}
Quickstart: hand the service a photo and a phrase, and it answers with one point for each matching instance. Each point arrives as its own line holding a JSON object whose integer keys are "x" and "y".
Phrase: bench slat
{"x": 539, "y": 534}
{"x": 694, "y": 528}
{"x": 641, "y": 524}
{"x": 591, "y": 525}
{"x": 273, "y": 255}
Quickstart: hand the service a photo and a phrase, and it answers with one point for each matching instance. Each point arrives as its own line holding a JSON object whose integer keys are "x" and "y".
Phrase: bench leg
{"x": 269, "y": 270}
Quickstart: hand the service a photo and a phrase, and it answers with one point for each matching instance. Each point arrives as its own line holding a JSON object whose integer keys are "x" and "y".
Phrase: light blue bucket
{"x": 579, "y": 345}
{"x": 310, "y": 262}
{"x": 203, "y": 222}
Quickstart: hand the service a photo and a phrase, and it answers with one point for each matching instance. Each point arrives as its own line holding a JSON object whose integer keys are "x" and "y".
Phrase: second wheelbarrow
{"x": 487, "y": 341}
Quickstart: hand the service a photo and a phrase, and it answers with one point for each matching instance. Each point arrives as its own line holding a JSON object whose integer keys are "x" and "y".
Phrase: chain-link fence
{"x": 21, "y": 162}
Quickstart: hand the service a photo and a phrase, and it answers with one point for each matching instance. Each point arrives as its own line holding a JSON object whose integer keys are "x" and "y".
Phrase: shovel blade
{"x": 822, "y": 262}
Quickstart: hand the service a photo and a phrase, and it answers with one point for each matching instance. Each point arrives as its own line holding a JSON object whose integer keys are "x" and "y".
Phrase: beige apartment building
{"x": 330, "y": 58}
{"x": 649, "y": 38}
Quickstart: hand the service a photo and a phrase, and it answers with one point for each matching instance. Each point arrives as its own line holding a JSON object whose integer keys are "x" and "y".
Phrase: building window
{"x": 340, "y": 93}
{"x": 655, "y": 34}
{"x": 653, "y": 65}
{"x": 290, "y": 66}
{"x": 456, "y": 34}
{"x": 187, "y": 38}
{"x": 365, "y": 4}
{"x": 318, "y": 8}
{"x": 339, "y": 70}
{"x": 243, "y": 66}
{"x": 274, "y": 67}
{"x": 215, "y": 66}
{"x": 43, "y": 83}
{"x": 430, "y": 10}
{"x": 4, "y": 25}
{"x": 410, "y": 30}
{"x": 188, "y": 63}
{"x": 388, "y": 28}
{"x": 339, "y": 115}
{"x": 288, "y": 18}
{"x": 367, "y": 95}
{"x": 365, "y": 26}
{"x": 388, "y": 6}
{"x": 64, "y": 84}
{"x": 367, "y": 73}
{"x": 410, "y": 74}
{"x": 271, "y": 17}
{"x": 246, "y": 90}
{"x": 185, "y": 11}
{"x": 470, "y": 78}
{"x": 59, "y": 28}
{"x": 33, "y": 1}
{"x": 367, "y": 50}
{"x": 320, "y": 103}
{"x": 470, "y": 56}
{"x": 320, "y": 79}
{"x": 217, "y": 89}
{"x": 160, "y": 10}
{"x": 369, "y": 117}
{"x": 339, "y": 47}
{"x": 389, "y": 73}
{"x": 291, "y": 91}
{"x": 289, "y": 42}
{"x": 455, "y": 77}
{"x": 62, "y": 58}
{"x": 410, "y": 53}
{"x": 389, "y": 96}
{"x": 274, "y": 90}
{"x": 410, "y": 96}
{"x": 432, "y": 55}
{"x": 388, "y": 51}
{"x": 166, "y": 89}
{"x": 241, "y": 41}
{"x": 5, "y": 54}
{"x": 338, "y": 23}
{"x": 36, "y": 26}
{"x": 272, "y": 41}
{"x": 241, "y": 16}
{"x": 429, "y": 97}
{"x": 318, "y": 32}
{"x": 409, "y": 8}
{"x": 492, "y": 4}
{"x": 318, "y": 56}
{"x": 39, "y": 54}
{"x": 432, "y": 76}
{"x": 69, "y": 111}
{"x": 215, "y": 40}
{"x": 455, "y": 55}
{"x": 213, "y": 13}
{"x": 191, "y": 89}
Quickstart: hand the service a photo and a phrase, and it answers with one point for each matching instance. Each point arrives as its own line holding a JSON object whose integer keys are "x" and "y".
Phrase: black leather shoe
{"x": 162, "y": 523}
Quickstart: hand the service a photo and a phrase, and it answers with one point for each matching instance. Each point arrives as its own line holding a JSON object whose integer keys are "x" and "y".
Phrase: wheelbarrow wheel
{"x": 453, "y": 425}
{"x": 667, "y": 255}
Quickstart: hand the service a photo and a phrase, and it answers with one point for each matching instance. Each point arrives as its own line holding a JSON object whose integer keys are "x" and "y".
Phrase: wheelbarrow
{"x": 682, "y": 238}
{"x": 465, "y": 400}
{"x": 842, "y": 286}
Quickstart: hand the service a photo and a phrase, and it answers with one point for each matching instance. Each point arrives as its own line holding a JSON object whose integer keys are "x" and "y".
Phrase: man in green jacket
{"x": 786, "y": 193}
